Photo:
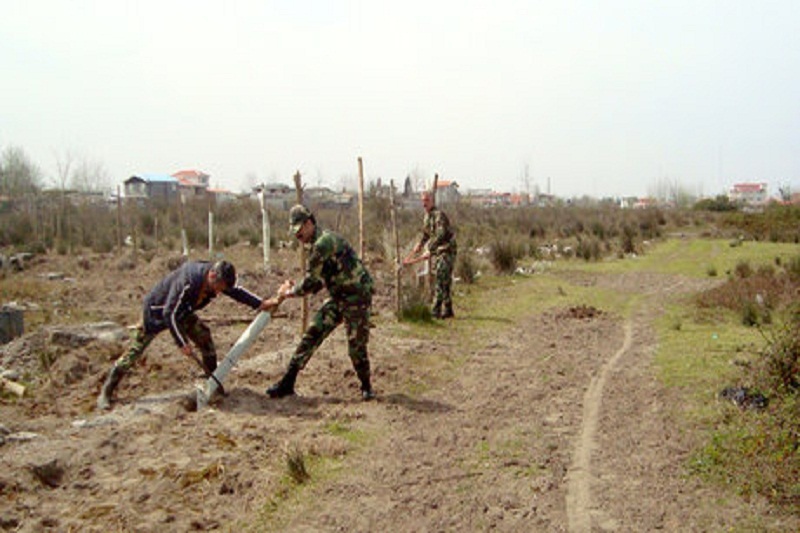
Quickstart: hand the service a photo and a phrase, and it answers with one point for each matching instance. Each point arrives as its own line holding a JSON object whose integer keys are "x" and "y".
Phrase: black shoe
{"x": 285, "y": 387}
{"x": 448, "y": 314}
{"x": 280, "y": 391}
{"x": 367, "y": 395}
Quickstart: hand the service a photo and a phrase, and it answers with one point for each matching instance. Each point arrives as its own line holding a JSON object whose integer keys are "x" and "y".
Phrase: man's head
{"x": 222, "y": 276}
{"x": 301, "y": 222}
{"x": 427, "y": 200}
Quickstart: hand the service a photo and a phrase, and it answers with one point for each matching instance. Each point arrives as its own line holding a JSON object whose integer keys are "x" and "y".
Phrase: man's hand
{"x": 413, "y": 260}
{"x": 269, "y": 305}
{"x": 186, "y": 350}
{"x": 286, "y": 289}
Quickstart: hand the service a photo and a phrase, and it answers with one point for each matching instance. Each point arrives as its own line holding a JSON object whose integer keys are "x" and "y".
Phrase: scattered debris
{"x": 49, "y": 474}
{"x": 744, "y": 398}
{"x": 12, "y": 386}
{"x": 12, "y": 323}
{"x": 580, "y": 312}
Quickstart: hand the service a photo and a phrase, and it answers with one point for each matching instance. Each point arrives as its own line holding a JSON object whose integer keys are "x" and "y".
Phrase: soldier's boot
{"x": 448, "y": 312}
{"x": 436, "y": 311}
{"x": 363, "y": 373}
{"x": 113, "y": 379}
{"x": 285, "y": 387}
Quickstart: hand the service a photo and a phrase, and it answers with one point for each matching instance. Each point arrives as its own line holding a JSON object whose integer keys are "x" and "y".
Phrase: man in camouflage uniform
{"x": 334, "y": 264}
{"x": 172, "y": 304}
{"x": 441, "y": 246}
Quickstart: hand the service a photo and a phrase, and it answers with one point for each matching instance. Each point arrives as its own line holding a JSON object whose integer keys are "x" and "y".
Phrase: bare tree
{"x": 18, "y": 174}
{"x": 90, "y": 176}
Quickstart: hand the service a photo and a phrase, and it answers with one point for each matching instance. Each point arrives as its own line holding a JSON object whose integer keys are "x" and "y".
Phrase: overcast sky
{"x": 606, "y": 97}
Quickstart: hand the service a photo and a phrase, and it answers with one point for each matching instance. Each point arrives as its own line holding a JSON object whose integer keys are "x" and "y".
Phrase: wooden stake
{"x": 119, "y": 221}
{"x": 393, "y": 207}
{"x": 265, "y": 236}
{"x": 429, "y": 279}
{"x": 298, "y": 185}
{"x": 210, "y": 228}
{"x": 361, "y": 208}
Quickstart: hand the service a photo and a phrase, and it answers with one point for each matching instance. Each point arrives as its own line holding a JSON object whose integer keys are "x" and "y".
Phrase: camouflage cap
{"x": 297, "y": 216}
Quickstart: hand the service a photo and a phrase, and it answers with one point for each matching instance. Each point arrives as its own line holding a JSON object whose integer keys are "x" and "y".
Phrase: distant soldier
{"x": 172, "y": 304}
{"x": 440, "y": 239}
{"x": 334, "y": 264}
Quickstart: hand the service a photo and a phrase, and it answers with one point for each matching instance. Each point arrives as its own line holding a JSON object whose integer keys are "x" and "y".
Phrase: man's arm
{"x": 176, "y": 307}
{"x": 243, "y": 296}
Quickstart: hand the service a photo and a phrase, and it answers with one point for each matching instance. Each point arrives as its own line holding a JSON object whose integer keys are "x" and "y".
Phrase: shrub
{"x": 504, "y": 255}
{"x": 466, "y": 268}
{"x": 414, "y": 306}
{"x": 781, "y": 357}
{"x": 628, "y": 240}
{"x": 743, "y": 269}
{"x": 793, "y": 268}
{"x": 588, "y": 249}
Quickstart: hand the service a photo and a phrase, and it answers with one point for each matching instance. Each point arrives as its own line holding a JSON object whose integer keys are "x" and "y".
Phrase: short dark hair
{"x": 226, "y": 272}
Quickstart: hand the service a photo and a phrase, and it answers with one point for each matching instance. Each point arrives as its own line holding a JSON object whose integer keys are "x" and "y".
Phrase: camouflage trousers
{"x": 194, "y": 328}
{"x": 355, "y": 317}
{"x": 443, "y": 279}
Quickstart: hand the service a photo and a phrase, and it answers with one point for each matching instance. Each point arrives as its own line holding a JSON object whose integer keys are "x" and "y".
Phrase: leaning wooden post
{"x": 393, "y": 207}
{"x": 265, "y": 236}
{"x": 431, "y": 274}
{"x": 298, "y": 185}
{"x": 361, "y": 208}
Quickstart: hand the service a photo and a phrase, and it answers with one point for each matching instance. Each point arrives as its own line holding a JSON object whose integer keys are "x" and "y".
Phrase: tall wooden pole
{"x": 298, "y": 185}
{"x": 119, "y": 221}
{"x": 210, "y": 228}
{"x": 393, "y": 207}
{"x": 431, "y": 274}
{"x": 265, "y": 236}
{"x": 361, "y": 208}
{"x": 184, "y": 239}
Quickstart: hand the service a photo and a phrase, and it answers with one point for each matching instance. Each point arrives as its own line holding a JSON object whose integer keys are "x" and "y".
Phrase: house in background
{"x": 161, "y": 188}
{"x": 192, "y": 183}
{"x": 446, "y": 192}
{"x": 220, "y": 196}
{"x": 748, "y": 194}
{"x": 276, "y": 195}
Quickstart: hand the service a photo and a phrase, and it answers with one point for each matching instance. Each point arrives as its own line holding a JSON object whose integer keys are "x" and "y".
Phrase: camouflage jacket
{"x": 437, "y": 233}
{"x": 333, "y": 263}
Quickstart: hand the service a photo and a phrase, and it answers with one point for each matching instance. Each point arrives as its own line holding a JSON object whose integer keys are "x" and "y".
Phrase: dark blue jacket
{"x": 177, "y": 296}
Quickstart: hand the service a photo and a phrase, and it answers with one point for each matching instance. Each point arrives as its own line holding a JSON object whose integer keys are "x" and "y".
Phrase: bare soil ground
{"x": 559, "y": 424}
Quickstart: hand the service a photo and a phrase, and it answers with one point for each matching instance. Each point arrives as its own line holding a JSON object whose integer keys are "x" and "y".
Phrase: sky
{"x": 572, "y": 97}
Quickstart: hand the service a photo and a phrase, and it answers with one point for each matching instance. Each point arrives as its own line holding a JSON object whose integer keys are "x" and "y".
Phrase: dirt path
{"x": 579, "y": 497}
{"x": 559, "y": 425}
{"x": 555, "y": 422}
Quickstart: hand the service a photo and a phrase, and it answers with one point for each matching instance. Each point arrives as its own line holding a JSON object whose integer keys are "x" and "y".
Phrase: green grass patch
{"x": 344, "y": 430}
{"x": 692, "y": 257}
{"x": 702, "y": 358}
{"x": 751, "y": 452}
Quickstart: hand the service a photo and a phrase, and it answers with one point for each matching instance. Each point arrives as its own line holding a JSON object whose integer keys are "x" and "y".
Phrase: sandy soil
{"x": 557, "y": 425}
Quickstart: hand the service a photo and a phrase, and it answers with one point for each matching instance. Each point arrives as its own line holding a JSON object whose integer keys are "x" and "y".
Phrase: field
{"x": 562, "y": 399}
